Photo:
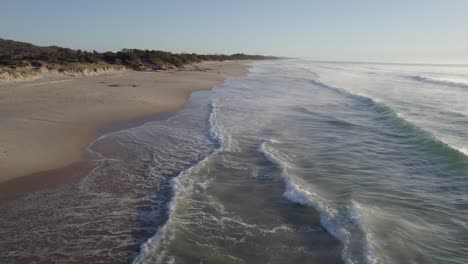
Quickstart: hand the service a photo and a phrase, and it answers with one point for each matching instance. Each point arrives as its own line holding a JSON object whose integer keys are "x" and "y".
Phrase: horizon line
{"x": 378, "y": 62}
{"x": 277, "y": 56}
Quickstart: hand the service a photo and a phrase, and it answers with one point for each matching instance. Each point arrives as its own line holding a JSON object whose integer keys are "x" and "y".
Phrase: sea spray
{"x": 439, "y": 82}
{"x": 339, "y": 226}
{"x": 402, "y": 120}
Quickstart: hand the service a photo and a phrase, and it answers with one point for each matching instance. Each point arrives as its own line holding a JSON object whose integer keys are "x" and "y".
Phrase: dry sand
{"x": 47, "y": 123}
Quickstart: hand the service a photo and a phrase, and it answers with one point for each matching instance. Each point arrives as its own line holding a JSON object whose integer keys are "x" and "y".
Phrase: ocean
{"x": 297, "y": 162}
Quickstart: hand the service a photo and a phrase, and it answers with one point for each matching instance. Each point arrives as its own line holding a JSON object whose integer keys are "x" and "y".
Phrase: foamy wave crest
{"x": 399, "y": 116}
{"x": 464, "y": 151}
{"x": 369, "y": 250}
{"x": 217, "y": 132}
{"x": 338, "y": 225}
{"x": 439, "y": 81}
{"x": 181, "y": 186}
{"x": 213, "y": 126}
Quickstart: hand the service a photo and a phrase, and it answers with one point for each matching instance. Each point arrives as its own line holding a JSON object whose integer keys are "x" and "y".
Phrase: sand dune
{"x": 47, "y": 123}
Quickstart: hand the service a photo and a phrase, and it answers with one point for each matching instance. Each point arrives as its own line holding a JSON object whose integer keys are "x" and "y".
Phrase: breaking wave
{"x": 181, "y": 185}
{"x": 339, "y": 225}
{"x": 425, "y": 138}
{"x": 439, "y": 81}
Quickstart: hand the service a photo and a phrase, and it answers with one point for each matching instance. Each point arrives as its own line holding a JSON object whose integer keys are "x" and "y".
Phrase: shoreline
{"x": 161, "y": 93}
{"x": 74, "y": 172}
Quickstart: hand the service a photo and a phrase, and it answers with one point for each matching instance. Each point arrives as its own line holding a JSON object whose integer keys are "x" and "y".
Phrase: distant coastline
{"x": 20, "y": 61}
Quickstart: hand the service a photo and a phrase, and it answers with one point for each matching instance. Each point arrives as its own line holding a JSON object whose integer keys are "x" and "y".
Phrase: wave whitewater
{"x": 438, "y": 82}
{"x": 426, "y": 136}
{"x": 341, "y": 226}
{"x": 181, "y": 186}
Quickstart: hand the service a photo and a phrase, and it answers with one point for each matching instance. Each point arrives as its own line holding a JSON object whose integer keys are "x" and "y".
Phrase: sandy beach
{"x": 47, "y": 123}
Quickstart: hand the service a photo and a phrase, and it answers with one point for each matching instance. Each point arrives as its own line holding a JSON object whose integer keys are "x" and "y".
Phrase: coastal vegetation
{"x": 16, "y": 57}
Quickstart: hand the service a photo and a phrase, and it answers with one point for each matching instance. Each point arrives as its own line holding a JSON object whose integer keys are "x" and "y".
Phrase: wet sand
{"x": 100, "y": 210}
{"x": 47, "y": 123}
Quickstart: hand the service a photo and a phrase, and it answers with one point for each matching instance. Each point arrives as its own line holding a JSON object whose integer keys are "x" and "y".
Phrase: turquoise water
{"x": 298, "y": 162}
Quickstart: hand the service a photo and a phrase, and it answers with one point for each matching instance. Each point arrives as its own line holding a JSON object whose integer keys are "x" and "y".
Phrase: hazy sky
{"x": 434, "y": 31}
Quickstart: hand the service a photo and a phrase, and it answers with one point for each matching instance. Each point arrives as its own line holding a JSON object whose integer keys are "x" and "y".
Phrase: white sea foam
{"x": 441, "y": 81}
{"x": 213, "y": 126}
{"x": 464, "y": 151}
{"x": 336, "y": 225}
{"x": 369, "y": 251}
{"x": 434, "y": 135}
{"x": 414, "y": 123}
{"x": 180, "y": 186}
{"x": 216, "y": 130}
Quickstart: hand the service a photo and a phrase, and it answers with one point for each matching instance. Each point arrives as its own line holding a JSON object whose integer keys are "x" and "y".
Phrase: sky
{"x": 409, "y": 31}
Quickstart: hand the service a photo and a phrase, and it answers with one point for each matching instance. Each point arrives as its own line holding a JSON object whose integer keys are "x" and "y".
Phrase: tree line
{"x": 15, "y": 54}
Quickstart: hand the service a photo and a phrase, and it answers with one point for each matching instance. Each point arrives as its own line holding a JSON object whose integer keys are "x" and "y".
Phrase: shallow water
{"x": 327, "y": 163}
{"x": 298, "y": 162}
